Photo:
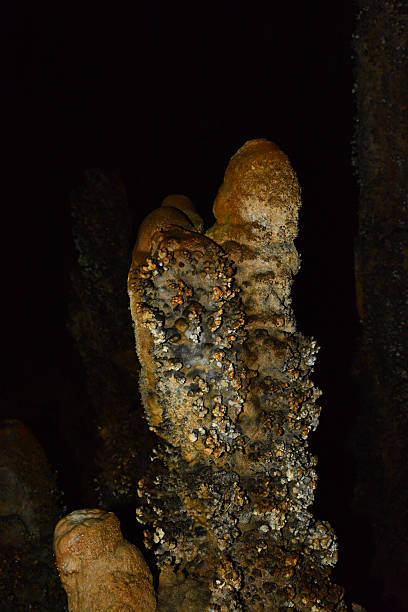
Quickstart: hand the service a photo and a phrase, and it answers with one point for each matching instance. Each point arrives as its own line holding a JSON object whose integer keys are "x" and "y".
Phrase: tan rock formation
{"x": 99, "y": 569}
{"x": 225, "y": 384}
{"x": 257, "y": 215}
{"x": 184, "y": 204}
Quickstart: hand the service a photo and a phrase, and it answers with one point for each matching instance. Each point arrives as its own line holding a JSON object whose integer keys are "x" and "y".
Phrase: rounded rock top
{"x": 86, "y": 533}
{"x": 258, "y": 185}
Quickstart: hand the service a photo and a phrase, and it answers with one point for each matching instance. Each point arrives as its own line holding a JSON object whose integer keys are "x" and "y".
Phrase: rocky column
{"x": 226, "y": 387}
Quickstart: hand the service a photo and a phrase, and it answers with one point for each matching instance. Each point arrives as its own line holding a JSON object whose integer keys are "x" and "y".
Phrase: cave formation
{"x": 284, "y": 76}
{"x": 225, "y": 382}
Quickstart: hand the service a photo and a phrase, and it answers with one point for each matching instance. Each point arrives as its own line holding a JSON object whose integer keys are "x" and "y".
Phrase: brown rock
{"x": 176, "y": 213}
{"x": 257, "y": 214}
{"x": 184, "y": 204}
{"x": 27, "y": 483}
{"x": 154, "y": 222}
{"x": 99, "y": 569}
{"x": 226, "y": 386}
{"x": 29, "y": 509}
{"x": 260, "y": 186}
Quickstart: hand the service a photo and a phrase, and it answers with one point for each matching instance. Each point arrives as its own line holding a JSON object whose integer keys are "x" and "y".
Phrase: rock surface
{"x": 225, "y": 385}
{"x": 29, "y": 508}
{"x": 99, "y": 324}
{"x": 99, "y": 569}
{"x": 381, "y": 160}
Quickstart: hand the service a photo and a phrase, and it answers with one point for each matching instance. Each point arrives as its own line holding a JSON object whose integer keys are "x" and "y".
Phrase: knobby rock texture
{"x": 381, "y": 159}
{"x": 99, "y": 569}
{"x": 226, "y": 387}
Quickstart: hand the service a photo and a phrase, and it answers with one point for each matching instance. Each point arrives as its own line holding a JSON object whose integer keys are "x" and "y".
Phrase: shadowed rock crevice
{"x": 99, "y": 324}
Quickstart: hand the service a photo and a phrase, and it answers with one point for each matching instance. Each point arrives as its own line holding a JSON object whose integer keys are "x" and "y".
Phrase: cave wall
{"x": 380, "y": 157}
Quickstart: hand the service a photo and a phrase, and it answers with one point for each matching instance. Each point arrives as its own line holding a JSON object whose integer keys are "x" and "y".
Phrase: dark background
{"x": 166, "y": 93}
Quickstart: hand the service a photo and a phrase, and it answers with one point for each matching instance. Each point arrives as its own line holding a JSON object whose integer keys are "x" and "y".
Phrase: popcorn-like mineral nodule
{"x": 226, "y": 386}
{"x": 99, "y": 569}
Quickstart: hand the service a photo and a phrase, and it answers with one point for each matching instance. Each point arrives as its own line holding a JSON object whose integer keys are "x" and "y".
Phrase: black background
{"x": 167, "y": 92}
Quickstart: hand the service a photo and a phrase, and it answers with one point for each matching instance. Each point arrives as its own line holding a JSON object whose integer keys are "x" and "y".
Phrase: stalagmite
{"x": 99, "y": 569}
{"x": 225, "y": 385}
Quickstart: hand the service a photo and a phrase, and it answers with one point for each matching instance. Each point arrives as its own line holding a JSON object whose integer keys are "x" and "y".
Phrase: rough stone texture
{"x": 381, "y": 159}
{"x": 99, "y": 323}
{"x": 183, "y": 203}
{"x": 225, "y": 384}
{"x": 99, "y": 569}
{"x": 257, "y": 212}
{"x": 29, "y": 509}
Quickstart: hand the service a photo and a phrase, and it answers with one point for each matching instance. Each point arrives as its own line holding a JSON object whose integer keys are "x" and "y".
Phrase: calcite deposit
{"x": 99, "y": 569}
{"x": 226, "y": 387}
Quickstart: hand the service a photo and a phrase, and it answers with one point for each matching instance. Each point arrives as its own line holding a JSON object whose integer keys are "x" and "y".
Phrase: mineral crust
{"x": 226, "y": 386}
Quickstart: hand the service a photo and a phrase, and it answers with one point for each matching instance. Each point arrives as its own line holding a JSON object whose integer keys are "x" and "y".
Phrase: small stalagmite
{"x": 226, "y": 387}
{"x": 99, "y": 569}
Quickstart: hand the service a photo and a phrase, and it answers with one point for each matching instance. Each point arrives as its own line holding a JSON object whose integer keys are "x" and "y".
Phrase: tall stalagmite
{"x": 225, "y": 384}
